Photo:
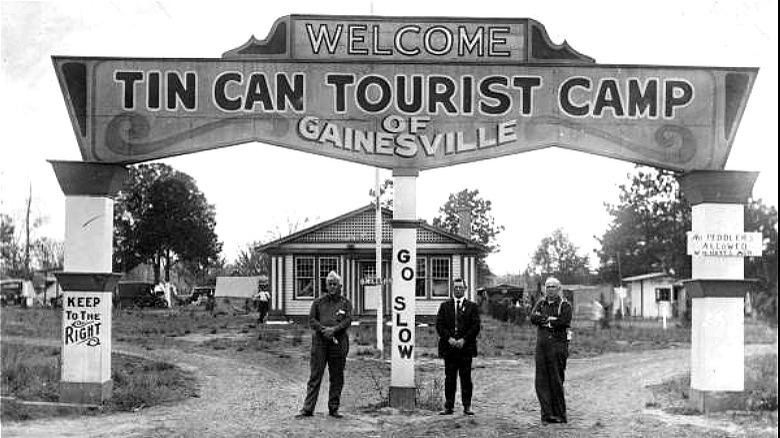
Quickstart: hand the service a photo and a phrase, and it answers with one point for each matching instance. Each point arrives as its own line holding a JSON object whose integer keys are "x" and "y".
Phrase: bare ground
{"x": 257, "y": 394}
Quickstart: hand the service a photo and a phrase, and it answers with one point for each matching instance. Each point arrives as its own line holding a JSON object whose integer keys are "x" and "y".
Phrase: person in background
{"x": 263, "y": 299}
{"x": 330, "y": 317}
{"x": 552, "y": 314}
{"x": 458, "y": 325}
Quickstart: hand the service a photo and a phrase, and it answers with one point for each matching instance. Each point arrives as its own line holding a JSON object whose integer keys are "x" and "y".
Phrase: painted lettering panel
{"x": 86, "y": 336}
{"x": 725, "y": 244}
{"x": 381, "y": 39}
{"x": 403, "y": 307}
{"x": 417, "y": 116}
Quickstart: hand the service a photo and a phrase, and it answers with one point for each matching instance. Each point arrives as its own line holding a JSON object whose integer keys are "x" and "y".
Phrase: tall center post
{"x": 404, "y": 267}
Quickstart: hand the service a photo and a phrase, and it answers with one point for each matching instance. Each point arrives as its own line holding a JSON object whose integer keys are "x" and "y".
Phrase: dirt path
{"x": 257, "y": 395}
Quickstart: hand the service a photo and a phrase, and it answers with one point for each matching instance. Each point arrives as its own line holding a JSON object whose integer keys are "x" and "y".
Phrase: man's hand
{"x": 453, "y": 342}
{"x": 459, "y": 343}
{"x": 328, "y": 332}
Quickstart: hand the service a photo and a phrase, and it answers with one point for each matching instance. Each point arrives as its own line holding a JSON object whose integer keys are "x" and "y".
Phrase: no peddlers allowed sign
{"x": 413, "y": 93}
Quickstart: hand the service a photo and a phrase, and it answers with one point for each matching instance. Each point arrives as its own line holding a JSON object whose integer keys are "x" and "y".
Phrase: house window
{"x": 327, "y": 264}
{"x": 440, "y": 277}
{"x": 663, "y": 294}
{"x": 304, "y": 277}
{"x": 419, "y": 290}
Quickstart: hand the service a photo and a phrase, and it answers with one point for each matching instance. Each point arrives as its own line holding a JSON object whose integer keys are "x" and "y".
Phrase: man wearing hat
{"x": 552, "y": 315}
{"x": 330, "y": 317}
{"x": 458, "y": 325}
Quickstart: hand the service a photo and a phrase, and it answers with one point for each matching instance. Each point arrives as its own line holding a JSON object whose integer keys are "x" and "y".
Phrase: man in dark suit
{"x": 457, "y": 324}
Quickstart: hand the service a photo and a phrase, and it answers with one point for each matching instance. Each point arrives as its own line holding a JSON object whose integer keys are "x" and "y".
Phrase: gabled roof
{"x": 357, "y": 226}
{"x": 647, "y": 276}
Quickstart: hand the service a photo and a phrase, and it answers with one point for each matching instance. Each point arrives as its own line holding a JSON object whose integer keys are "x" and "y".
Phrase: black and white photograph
{"x": 375, "y": 218}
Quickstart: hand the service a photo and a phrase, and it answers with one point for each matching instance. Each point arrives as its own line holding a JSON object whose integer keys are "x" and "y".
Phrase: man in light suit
{"x": 458, "y": 325}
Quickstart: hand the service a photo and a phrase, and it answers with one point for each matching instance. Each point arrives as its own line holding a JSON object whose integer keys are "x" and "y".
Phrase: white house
{"x": 654, "y": 295}
{"x": 301, "y": 261}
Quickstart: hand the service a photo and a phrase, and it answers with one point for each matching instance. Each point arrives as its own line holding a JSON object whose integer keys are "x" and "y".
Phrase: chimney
{"x": 464, "y": 221}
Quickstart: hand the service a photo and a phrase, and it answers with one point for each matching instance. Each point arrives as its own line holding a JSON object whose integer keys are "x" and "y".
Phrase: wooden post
{"x": 717, "y": 289}
{"x": 404, "y": 267}
{"x": 87, "y": 281}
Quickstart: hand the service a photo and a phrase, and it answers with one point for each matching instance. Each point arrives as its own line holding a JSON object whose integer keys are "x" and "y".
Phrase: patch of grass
{"x": 760, "y": 388}
{"x": 429, "y": 393}
{"x": 141, "y": 383}
{"x": 31, "y": 373}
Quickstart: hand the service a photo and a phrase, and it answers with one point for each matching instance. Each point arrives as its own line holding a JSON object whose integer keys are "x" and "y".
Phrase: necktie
{"x": 458, "y": 310}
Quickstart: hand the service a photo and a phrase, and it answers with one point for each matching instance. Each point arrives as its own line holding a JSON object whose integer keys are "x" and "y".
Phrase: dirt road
{"x": 257, "y": 395}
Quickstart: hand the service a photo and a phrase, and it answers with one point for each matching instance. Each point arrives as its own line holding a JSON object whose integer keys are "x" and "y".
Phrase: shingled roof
{"x": 357, "y": 226}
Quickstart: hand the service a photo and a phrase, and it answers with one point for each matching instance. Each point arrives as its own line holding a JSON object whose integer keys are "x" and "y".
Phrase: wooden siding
{"x": 428, "y": 307}
{"x": 293, "y": 306}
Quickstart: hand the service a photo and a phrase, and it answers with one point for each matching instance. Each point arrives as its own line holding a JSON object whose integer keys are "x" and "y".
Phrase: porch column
{"x": 404, "y": 265}
{"x": 717, "y": 289}
{"x": 87, "y": 280}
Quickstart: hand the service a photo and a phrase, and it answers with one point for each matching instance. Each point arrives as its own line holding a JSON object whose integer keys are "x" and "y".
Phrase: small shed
{"x": 237, "y": 287}
{"x": 654, "y": 295}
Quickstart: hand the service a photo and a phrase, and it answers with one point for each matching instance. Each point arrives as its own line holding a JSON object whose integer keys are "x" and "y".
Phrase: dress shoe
{"x": 335, "y": 414}
{"x": 468, "y": 412}
{"x": 447, "y": 412}
{"x": 303, "y": 414}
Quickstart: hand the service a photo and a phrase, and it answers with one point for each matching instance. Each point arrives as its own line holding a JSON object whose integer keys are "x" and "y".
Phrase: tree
{"x": 762, "y": 218}
{"x": 483, "y": 226}
{"x": 251, "y": 261}
{"x": 48, "y": 253}
{"x": 484, "y": 229}
{"x": 647, "y": 232}
{"x": 11, "y": 258}
{"x": 162, "y": 218}
{"x": 291, "y": 225}
{"x": 385, "y": 194}
{"x": 21, "y": 253}
{"x": 557, "y": 256}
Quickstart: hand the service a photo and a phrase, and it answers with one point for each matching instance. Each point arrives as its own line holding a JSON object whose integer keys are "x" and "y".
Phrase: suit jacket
{"x": 469, "y": 327}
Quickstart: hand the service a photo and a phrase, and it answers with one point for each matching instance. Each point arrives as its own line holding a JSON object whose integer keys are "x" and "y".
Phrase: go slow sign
{"x": 403, "y": 331}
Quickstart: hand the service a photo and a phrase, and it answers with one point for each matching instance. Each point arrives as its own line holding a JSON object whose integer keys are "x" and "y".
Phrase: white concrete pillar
{"x": 87, "y": 280}
{"x": 717, "y": 289}
{"x": 404, "y": 267}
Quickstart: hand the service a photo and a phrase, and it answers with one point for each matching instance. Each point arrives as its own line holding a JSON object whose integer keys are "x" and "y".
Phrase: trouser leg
{"x": 466, "y": 386}
{"x": 542, "y": 381}
{"x": 450, "y": 380}
{"x": 337, "y": 359}
{"x": 317, "y": 364}
{"x": 557, "y": 376}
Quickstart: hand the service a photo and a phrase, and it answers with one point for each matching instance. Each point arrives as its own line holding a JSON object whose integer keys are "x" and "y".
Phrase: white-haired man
{"x": 330, "y": 317}
{"x": 552, "y": 314}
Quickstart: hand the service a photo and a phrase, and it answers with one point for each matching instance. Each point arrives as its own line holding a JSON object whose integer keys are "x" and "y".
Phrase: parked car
{"x": 138, "y": 294}
{"x": 201, "y": 294}
{"x": 11, "y": 292}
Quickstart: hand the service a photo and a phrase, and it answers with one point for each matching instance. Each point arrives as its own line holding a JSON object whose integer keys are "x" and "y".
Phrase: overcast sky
{"x": 257, "y": 187}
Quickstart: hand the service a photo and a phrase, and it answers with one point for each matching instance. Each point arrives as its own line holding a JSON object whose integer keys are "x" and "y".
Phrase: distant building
{"x": 237, "y": 287}
{"x": 301, "y": 261}
{"x": 654, "y": 295}
{"x": 588, "y": 300}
